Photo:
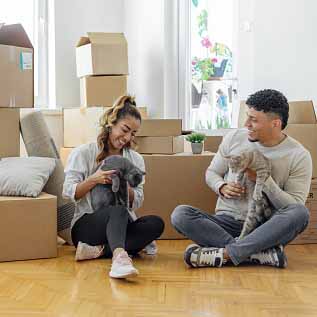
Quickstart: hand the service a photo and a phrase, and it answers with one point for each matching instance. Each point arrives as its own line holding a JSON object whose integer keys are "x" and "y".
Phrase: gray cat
{"x": 258, "y": 204}
{"x": 116, "y": 193}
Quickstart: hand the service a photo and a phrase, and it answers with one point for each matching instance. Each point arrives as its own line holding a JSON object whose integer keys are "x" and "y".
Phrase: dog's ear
{"x": 115, "y": 183}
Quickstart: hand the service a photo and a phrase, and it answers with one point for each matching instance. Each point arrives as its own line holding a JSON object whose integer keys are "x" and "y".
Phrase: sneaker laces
{"x": 266, "y": 257}
{"x": 208, "y": 256}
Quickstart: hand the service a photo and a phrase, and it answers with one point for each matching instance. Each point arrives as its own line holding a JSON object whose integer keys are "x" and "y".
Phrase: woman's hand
{"x": 232, "y": 190}
{"x": 101, "y": 177}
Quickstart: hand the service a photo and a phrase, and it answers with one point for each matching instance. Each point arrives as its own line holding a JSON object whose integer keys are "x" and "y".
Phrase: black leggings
{"x": 110, "y": 226}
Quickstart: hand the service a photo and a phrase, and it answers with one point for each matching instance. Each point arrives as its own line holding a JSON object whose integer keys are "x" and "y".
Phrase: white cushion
{"x": 24, "y": 176}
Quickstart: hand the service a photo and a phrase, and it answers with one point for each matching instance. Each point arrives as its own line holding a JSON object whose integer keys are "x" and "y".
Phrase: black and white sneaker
{"x": 274, "y": 257}
{"x": 196, "y": 256}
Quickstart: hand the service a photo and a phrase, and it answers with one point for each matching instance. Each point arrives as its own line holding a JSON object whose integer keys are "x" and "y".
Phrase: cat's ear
{"x": 115, "y": 183}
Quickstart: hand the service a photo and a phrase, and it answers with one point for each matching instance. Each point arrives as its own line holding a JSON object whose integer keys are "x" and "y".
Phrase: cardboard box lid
{"x": 301, "y": 112}
{"x": 14, "y": 35}
{"x": 102, "y": 38}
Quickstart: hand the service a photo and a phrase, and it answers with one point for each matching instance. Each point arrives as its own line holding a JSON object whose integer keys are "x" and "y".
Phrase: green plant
{"x": 204, "y": 68}
{"x": 196, "y": 137}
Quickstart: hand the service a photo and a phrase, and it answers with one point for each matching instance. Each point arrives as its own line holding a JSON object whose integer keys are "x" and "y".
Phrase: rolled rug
{"x": 38, "y": 142}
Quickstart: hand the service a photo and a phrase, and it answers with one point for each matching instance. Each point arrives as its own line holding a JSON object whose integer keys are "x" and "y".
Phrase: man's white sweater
{"x": 290, "y": 178}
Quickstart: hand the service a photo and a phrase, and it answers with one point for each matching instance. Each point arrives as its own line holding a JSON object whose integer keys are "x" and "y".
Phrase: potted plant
{"x": 197, "y": 142}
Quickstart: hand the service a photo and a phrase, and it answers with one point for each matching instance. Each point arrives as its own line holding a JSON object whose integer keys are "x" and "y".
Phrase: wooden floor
{"x": 165, "y": 287}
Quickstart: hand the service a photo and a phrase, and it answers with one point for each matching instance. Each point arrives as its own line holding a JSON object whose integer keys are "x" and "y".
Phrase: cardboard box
{"x": 81, "y": 125}
{"x": 28, "y": 227}
{"x": 309, "y": 235}
{"x": 9, "y": 132}
{"x": 16, "y": 65}
{"x": 160, "y": 145}
{"x": 306, "y": 134}
{"x": 302, "y": 112}
{"x": 64, "y": 153}
{"x": 173, "y": 180}
{"x": 211, "y": 143}
{"x": 143, "y": 112}
{"x": 102, "y": 54}
{"x": 101, "y": 91}
{"x": 161, "y": 127}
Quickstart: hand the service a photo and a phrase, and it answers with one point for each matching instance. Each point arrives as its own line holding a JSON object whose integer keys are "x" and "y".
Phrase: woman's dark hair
{"x": 123, "y": 107}
{"x": 270, "y": 101}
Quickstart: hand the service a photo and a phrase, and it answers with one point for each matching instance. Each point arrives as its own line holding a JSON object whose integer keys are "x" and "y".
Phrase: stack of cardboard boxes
{"x": 172, "y": 176}
{"x": 102, "y": 66}
{"x": 302, "y": 126}
{"x": 28, "y": 225}
{"x": 160, "y": 136}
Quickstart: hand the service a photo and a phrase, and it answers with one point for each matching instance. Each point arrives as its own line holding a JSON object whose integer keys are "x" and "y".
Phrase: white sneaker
{"x": 122, "y": 266}
{"x": 151, "y": 248}
{"x": 274, "y": 257}
{"x": 196, "y": 256}
{"x": 85, "y": 251}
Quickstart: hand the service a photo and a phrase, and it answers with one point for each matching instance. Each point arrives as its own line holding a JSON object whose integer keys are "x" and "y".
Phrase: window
{"x": 32, "y": 14}
{"x": 207, "y": 70}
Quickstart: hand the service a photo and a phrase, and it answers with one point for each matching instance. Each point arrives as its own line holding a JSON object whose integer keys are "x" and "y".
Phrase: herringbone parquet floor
{"x": 165, "y": 287}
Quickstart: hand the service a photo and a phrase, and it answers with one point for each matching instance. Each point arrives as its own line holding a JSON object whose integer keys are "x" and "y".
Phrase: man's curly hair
{"x": 270, "y": 101}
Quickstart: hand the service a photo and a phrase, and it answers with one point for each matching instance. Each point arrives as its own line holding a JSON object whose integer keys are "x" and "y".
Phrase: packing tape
{"x": 12, "y": 54}
{"x": 82, "y": 110}
{"x": 12, "y": 102}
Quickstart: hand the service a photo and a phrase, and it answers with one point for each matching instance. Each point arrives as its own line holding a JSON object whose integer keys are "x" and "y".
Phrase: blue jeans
{"x": 220, "y": 230}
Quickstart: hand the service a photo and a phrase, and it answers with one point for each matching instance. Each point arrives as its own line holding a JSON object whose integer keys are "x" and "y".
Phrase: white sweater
{"x": 81, "y": 164}
{"x": 289, "y": 181}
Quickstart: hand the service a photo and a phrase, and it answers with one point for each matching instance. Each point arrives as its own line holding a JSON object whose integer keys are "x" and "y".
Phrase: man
{"x": 286, "y": 190}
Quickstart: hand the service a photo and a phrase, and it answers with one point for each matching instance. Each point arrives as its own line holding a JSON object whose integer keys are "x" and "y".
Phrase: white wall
{"x": 278, "y": 51}
{"x": 144, "y": 30}
{"x": 73, "y": 19}
{"x": 281, "y": 48}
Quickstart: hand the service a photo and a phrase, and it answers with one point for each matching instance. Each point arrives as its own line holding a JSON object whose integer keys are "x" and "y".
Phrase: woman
{"x": 111, "y": 230}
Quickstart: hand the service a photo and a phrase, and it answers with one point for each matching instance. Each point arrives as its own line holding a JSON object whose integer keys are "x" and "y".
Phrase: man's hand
{"x": 232, "y": 190}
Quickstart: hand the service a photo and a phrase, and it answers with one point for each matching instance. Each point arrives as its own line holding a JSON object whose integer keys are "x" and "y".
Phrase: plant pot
{"x": 197, "y": 148}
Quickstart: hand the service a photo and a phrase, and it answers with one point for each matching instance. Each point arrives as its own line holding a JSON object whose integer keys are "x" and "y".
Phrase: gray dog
{"x": 116, "y": 193}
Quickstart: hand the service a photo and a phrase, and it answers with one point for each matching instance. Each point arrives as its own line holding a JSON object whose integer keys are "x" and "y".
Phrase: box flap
{"x": 15, "y": 35}
{"x": 106, "y": 38}
{"x": 83, "y": 41}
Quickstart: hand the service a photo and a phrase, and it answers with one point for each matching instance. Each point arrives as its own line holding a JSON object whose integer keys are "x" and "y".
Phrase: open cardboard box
{"x": 102, "y": 53}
